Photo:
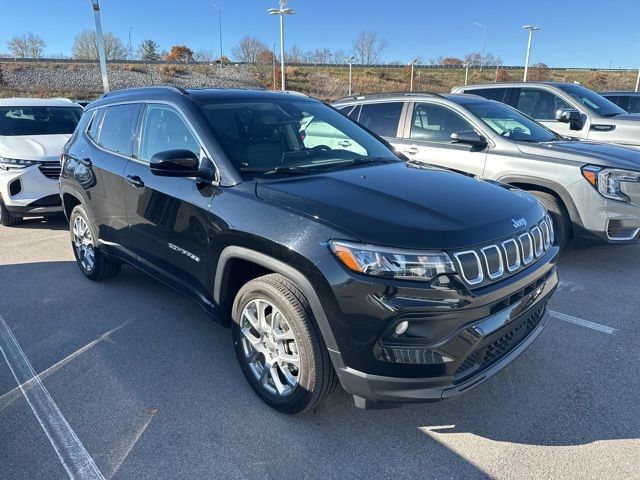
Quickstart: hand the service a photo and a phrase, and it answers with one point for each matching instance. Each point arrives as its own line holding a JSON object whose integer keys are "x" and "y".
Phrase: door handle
{"x": 344, "y": 143}
{"x": 411, "y": 151}
{"x": 135, "y": 181}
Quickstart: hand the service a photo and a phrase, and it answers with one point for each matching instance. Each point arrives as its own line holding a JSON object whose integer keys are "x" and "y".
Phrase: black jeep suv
{"x": 330, "y": 257}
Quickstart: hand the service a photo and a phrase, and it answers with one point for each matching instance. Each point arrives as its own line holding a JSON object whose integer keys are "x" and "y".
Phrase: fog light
{"x": 402, "y": 327}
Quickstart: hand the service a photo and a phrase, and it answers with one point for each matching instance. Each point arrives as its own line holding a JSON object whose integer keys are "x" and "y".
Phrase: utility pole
{"x": 531, "y": 28}
{"x": 273, "y": 53}
{"x": 466, "y": 72}
{"x": 100, "y": 41}
{"x": 219, "y": 30}
{"x": 352, "y": 59}
{"x": 484, "y": 41}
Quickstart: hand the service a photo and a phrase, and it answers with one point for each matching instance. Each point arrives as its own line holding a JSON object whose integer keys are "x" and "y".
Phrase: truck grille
{"x": 50, "y": 169}
{"x": 493, "y": 262}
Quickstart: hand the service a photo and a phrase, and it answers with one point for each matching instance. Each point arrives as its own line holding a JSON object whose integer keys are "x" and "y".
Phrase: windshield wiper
{"x": 282, "y": 169}
{"x": 361, "y": 161}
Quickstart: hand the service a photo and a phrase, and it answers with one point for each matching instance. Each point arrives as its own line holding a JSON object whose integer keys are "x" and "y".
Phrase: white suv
{"x": 32, "y": 134}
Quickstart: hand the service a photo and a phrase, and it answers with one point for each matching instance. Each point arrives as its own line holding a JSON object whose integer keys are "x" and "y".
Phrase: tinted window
{"x": 382, "y": 118}
{"x": 436, "y": 123}
{"x": 497, "y": 94}
{"x": 510, "y": 123}
{"x": 266, "y": 137}
{"x": 163, "y": 130}
{"x": 615, "y": 99}
{"x": 118, "y": 128}
{"x": 591, "y": 100}
{"x": 94, "y": 128}
{"x": 38, "y": 120}
{"x": 353, "y": 114}
{"x": 634, "y": 104}
{"x": 540, "y": 104}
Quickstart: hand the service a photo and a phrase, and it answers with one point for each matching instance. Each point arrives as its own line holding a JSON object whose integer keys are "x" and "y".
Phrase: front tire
{"x": 279, "y": 347}
{"x": 7, "y": 219}
{"x": 92, "y": 262}
{"x": 559, "y": 217}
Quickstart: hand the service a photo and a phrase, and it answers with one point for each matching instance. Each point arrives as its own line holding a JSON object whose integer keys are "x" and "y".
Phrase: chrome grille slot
{"x": 470, "y": 267}
{"x": 526, "y": 243}
{"x": 493, "y": 261}
{"x": 546, "y": 237}
{"x": 536, "y": 233}
{"x": 512, "y": 254}
{"x": 50, "y": 169}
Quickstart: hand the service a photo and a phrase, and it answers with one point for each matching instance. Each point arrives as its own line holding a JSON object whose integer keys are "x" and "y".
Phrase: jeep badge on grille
{"x": 521, "y": 222}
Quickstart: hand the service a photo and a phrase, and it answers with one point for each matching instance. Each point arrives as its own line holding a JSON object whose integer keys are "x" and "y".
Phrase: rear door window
{"x": 497, "y": 94}
{"x": 634, "y": 105}
{"x": 118, "y": 128}
{"x": 382, "y": 118}
{"x": 436, "y": 123}
{"x": 539, "y": 104}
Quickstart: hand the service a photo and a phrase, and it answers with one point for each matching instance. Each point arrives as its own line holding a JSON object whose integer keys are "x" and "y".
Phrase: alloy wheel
{"x": 83, "y": 243}
{"x": 270, "y": 347}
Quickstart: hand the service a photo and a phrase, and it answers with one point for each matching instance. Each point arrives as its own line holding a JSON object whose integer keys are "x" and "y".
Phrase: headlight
{"x": 14, "y": 163}
{"x": 607, "y": 180}
{"x": 392, "y": 263}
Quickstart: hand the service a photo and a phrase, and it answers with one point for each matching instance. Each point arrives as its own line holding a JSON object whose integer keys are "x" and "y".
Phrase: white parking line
{"x": 9, "y": 397}
{"x": 74, "y": 457}
{"x": 584, "y": 323}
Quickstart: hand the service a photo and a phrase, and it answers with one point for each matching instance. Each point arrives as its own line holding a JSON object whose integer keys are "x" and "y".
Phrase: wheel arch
{"x": 274, "y": 265}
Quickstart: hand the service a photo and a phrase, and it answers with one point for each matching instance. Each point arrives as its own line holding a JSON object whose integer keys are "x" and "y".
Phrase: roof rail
{"x": 173, "y": 88}
{"x": 388, "y": 94}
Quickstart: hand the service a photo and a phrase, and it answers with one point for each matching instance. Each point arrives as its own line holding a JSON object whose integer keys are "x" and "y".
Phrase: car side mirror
{"x": 175, "y": 163}
{"x": 571, "y": 116}
{"x": 469, "y": 137}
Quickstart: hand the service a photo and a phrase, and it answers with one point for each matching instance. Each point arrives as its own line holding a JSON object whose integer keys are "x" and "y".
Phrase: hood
{"x": 403, "y": 205}
{"x": 581, "y": 152}
{"x": 33, "y": 147}
{"x": 627, "y": 117}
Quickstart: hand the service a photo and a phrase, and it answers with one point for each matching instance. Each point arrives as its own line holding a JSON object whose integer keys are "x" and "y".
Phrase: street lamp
{"x": 273, "y": 54}
{"x": 638, "y": 80}
{"x": 531, "y": 28}
{"x": 413, "y": 64}
{"x": 351, "y": 59}
{"x": 466, "y": 72}
{"x": 282, "y": 11}
{"x": 219, "y": 29}
{"x": 484, "y": 40}
{"x": 100, "y": 41}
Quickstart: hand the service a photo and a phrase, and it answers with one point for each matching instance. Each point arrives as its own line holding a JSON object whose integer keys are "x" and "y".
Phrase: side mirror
{"x": 175, "y": 163}
{"x": 571, "y": 116}
{"x": 469, "y": 137}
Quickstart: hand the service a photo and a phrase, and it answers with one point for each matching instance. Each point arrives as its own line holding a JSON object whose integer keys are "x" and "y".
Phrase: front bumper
{"x": 27, "y": 191}
{"x": 604, "y": 221}
{"x": 468, "y": 336}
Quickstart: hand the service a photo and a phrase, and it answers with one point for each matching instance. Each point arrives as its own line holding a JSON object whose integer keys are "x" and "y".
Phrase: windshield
{"x": 594, "y": 102}
{"x": 510, "y": 123}
{"x": 266, "y": 137}
{"x": 38, "y": 120}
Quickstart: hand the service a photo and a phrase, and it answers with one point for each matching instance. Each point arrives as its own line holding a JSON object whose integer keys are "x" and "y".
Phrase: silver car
{"x": 566, "y": 108}
{"x": 591, "y": 190}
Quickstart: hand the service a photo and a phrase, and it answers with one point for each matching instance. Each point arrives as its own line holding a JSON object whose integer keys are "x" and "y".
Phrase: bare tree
{"x": 249, "y": 50}
{"x": 339, "y": 57}
{"x": 205, "y": 56}
{"x": 294, "y": 55}
{"x": 320, "y": 56}
{"x": 85, "y": 46}
{"x": 368, "y": 48}
{"x": 27, "y": 45}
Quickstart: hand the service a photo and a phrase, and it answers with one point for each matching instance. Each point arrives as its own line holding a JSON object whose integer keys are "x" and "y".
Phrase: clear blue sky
{"x": 574, "y": 33}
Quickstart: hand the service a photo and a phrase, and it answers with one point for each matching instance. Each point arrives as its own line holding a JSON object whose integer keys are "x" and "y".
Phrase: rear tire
{"x": 92, "y": 262}
{"x": 559, "y": 216}
{"x": 278, "y": 345}
{"x": 7, "y": 219}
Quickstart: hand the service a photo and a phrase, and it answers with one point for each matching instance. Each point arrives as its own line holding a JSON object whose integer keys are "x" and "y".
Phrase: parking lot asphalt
{"x": 151, "y": 388}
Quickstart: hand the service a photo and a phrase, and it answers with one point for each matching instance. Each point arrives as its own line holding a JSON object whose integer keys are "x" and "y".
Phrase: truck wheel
{"x": 280, "y": 350}
{"x": 93, "y": 263}
{"x": 559, "y": 216}
{"x": 6, "y": 218}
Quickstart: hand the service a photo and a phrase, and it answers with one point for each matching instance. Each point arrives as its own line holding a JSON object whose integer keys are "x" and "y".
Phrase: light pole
{"x": 273, "y": 53}
{"x": 484, "y": 41}
{"x": 219, "y": 29}
{"x": 100, "y": 41}
{"x": 466, "y": 72}
{"x": 351, "y": 59}
{"x": 531, "y": 28}
{"x": 638, "y": 80}
{"x": 282, "y": 11}
{"x": 412, "y": 63}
